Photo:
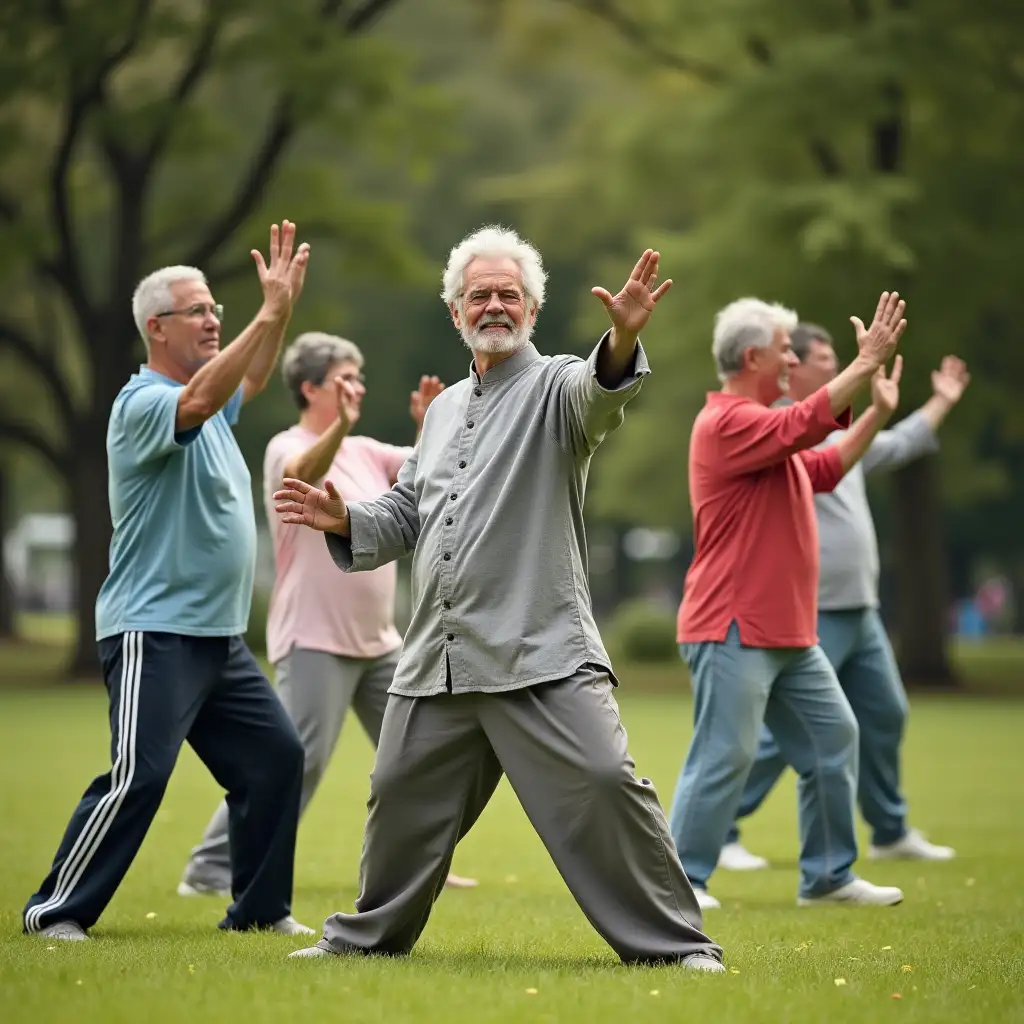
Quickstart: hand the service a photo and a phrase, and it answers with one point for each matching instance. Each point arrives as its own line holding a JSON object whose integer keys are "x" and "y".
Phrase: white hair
{"x": 746, "y": 323}
{"x": 495, "y": 242}
{"x": 153, "y": 294}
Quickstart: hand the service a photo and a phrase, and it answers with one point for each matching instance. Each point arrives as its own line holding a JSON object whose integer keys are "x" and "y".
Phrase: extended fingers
{"x": 287, "y": 241}
{"x": 897, "y": 369}
{"x": 880, "y": 308}
{"x": 661, "y": 291}
{"x": 641, "y": 265}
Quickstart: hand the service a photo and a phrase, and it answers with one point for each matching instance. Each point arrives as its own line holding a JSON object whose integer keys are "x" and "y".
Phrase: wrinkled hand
{"x": 347, "y": 402}
{"x": 950, "y": 379}
{"x": 304, "y": 505}
{"x": 878, "y": 342}
{"x": 282, "y": 280}
{"x": 419, "y": 401}
{"x": 632, "y": 307}
{"x": 885, "y": 391}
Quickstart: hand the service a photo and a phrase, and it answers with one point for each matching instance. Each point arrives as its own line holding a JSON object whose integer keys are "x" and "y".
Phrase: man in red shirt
{"x": 747, "y": 624}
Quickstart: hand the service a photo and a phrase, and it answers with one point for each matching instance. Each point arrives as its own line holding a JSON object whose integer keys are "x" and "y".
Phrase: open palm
{"x": 301, "y": 504}
{"x": 631, "y": 308}
{"x": 885, "y": 391}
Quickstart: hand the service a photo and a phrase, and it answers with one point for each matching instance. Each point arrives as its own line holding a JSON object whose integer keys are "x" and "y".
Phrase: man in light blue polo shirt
{"x": 171, "y": 613}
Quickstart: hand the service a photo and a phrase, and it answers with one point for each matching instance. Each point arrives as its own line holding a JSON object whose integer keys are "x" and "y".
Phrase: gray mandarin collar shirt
{"x": 491, "y": 505}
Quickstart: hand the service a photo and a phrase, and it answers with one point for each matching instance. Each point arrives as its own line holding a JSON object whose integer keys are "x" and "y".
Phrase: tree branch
{"x": 634, "y": 32}
{"x": 17, "y": 342}
{"x": 25, "y": 435}
{"x": 279, "y": 133}
{"x": 64, "y": 268}
{"x": 366, "y": 14}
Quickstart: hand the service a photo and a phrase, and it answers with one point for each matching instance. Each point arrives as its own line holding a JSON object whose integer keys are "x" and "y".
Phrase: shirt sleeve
{"x": 391, "y": 458}
{"x": 909, "y": 439}
{"x": 147, "y": 417}
{"x": 381, "y": 530}
{"x": 824, "y": 466}
{"x": 752, "y": 437}
{"x": 587, "y": 412}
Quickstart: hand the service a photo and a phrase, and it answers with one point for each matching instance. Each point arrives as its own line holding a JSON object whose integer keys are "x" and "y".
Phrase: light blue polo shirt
{"x": 183, "y": 553}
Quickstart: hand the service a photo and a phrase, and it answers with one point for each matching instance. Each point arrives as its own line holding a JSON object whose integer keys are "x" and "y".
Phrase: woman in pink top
{"x": 327, "y": 654}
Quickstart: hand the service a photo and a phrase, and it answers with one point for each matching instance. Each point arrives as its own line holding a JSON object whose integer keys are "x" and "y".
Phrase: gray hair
{"x": 495, "y": 242}
{"x": 310, "y": 356}
{"x": 804, "y": 334}
{"x": 743, "y": 324}
{"x": 153, "y": 294}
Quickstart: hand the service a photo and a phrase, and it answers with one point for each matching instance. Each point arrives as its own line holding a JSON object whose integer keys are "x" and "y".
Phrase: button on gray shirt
{"x": 491, "y": 505}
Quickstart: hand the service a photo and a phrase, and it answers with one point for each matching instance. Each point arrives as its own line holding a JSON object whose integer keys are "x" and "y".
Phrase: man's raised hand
{"x": 283, "y": 278}
{"x": 877, "y": 343}
{"x": 630, "y": 310}
{"x": 303, "y": 505}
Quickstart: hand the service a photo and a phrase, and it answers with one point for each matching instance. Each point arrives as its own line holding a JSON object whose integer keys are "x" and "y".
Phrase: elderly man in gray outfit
{"x": 503, "y": 669}
{"x": 850, "y": 629}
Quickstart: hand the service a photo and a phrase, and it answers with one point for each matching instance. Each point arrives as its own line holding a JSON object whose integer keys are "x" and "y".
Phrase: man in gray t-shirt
{"x": 850, "y": 629}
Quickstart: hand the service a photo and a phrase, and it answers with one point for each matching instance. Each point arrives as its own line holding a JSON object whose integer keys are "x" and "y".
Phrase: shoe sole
{"x": 822, "y": 901}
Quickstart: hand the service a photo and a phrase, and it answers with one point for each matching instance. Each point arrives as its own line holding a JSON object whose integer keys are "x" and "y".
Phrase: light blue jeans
{"x": 856, "y": 644}
{"x": 736, "y": 691}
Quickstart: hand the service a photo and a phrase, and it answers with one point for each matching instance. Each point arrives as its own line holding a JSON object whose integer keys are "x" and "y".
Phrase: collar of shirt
{"x": 509, "y": 367}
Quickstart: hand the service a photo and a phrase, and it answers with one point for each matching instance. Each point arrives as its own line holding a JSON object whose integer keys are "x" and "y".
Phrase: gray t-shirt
{"x": 846, "y": 530}
{"x": 491, "y": 505}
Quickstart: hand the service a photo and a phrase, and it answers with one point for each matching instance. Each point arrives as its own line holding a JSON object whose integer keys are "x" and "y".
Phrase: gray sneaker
{"x": 703, "y": 962}
{"x": 66, "y": 931}
{"x": 197, "y": 888}
{"x": 311, "y": 952}
{"x": 289, "y": 926}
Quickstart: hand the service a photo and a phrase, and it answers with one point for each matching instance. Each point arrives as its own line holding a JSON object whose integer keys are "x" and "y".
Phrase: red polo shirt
{"x": 752, "y": 481}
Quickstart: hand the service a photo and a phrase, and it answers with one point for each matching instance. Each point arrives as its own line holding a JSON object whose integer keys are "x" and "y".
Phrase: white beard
{"x": 493, "y": 342}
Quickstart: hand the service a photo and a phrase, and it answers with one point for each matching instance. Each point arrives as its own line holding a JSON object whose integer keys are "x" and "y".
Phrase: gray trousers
{"x": 563, "y": 748}
{"x": 316, "y": 689}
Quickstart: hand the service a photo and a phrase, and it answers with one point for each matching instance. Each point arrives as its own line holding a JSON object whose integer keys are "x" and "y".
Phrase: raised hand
{"x": 950, "y": 379}
{"x": 429, "y": 389}
{"x": 632, "y": 307}
{"x": 283, "y": 278}
{"x": 885, "y": 391}
{"x": 303, "y": 505}
{"x": 878, "y": 342}
{"x": 347, "y": 402}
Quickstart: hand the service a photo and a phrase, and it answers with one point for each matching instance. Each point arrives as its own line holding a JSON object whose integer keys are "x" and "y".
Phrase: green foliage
{"x": 643, "y": 631}
{"x": 256, "y": 632}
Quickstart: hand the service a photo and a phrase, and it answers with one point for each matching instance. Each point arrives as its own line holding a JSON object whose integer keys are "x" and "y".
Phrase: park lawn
{"x": 518, "y": 948}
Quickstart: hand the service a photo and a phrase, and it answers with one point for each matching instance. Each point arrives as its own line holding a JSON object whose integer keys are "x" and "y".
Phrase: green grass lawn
{"x": 518, "y": 948}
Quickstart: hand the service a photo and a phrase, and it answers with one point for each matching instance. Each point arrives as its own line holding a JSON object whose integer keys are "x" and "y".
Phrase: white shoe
{"x": 913, "y": 846}
{"x": 706, "y": 902}
{"x": 310, "y": 952}
{"x": 66, "y": 931}
{"x": 703, "y": 962}
{"x": 289, "y": 926}
{"x": 199, "y": 889}
{"x": 458, "y": 882}
{"x": 734, "y": 857}
{"x": 859, "y": 892}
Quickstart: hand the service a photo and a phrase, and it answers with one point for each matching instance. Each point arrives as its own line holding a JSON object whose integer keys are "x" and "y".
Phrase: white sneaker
{"x": 734, "y": 857}
{"x": 458, "y": 882}
{"x": 703, "y": 962}
{"x": 706, "y": 901}
{"x": 913, "y": 846}
{"x": 310, "y": 952}
{"x": 199, "y": 889}
{"x": 289, "y": 926}
{"x": 859, "y": 892}
{"x": 66, "y": 931}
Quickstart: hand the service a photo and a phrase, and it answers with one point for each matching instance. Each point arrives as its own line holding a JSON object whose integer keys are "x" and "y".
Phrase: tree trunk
{"x": 922, "y": 583}
{"x": 7, "y": 630}
{"x": 91, "y": 513}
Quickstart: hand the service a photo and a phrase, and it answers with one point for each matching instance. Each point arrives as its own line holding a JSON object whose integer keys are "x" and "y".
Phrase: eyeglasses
{"x": 199, "y": 309}
{"x": 482, "y": 296}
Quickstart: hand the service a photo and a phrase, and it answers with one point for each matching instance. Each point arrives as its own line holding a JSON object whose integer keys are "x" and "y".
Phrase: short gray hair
{"x": 495, "y": 242}
{"x": 310, "y": 356}
{"x": 804, "y": 334}
{"x": 746, "y": 323}
{"x": 153, "y": 294}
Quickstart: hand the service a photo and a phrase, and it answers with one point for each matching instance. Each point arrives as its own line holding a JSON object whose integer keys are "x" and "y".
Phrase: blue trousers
{"x": 736, "y": 690}
{"x": 856, "y": 644}
{"x": 164, "y": 689}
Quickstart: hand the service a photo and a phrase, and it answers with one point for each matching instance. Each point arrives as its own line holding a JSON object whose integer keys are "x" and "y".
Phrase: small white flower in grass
{"x": 655, "y": 992}
{"x": 151, "y": 915}
{"x": 734, "y": 970}
{"x": 79, "y": 982}
{"x": 531, "y": 991}
{"x": 840, "y": 982}
{"x": 969, "y": 882}
{"x": 51, "y": 947}
{"x": 886, "y": 947}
